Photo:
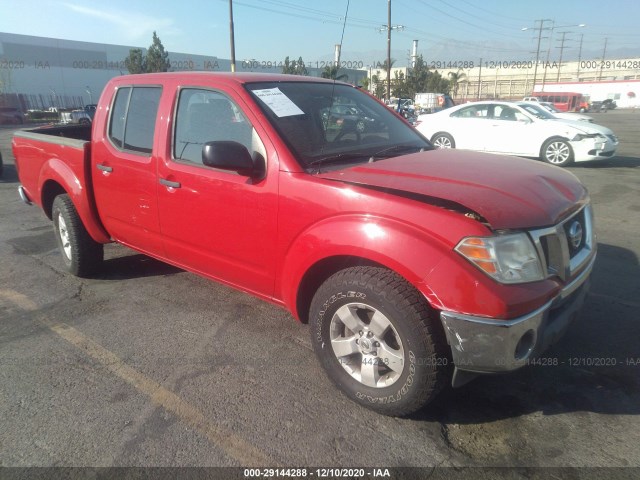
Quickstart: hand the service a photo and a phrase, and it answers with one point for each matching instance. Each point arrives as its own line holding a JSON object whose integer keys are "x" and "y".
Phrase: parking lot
{"x": 148, "y": 365}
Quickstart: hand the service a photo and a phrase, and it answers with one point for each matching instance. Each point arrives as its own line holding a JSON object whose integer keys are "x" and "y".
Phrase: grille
{"x": 567, "y": 247}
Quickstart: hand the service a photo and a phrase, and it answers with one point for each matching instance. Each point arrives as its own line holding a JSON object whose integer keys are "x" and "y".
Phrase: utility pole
{"x": 604, "y": 53}
{"x": 231, "y": 39}
{"x": 539, "y": 29}
{"x": 388, "y": 50}
{"x": 479, "y": 81}
{"x": 388, "y": 27}
{"x": 561, "y": 51}
{"x": 579, "y": 57}
{"x": 544, "y": 76}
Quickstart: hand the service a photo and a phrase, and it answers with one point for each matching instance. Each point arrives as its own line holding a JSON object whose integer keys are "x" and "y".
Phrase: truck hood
{"x": 585, "y": 127}
{"x": 508, "y": 192}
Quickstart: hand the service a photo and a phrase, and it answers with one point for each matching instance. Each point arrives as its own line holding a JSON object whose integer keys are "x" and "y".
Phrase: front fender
{"x": 400, "y": 247}
{"x": 58, "y": 171}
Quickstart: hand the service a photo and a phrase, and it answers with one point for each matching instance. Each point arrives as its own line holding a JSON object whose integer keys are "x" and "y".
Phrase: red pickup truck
{"x": 414, "y": 267}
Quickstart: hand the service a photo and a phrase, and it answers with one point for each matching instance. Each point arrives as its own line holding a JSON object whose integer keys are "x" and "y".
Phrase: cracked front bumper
{"x": 485, "y": 345}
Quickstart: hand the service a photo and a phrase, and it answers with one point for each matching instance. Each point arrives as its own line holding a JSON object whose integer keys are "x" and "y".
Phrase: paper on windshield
{"x": 278, "y": 102}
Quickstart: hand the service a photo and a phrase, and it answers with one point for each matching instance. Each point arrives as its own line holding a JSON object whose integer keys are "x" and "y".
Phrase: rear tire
{"x": 81, "y": 254}
{"x": 376, "y": 338}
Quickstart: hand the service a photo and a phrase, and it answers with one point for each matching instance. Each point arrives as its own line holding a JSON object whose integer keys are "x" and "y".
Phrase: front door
{"x": 219, "y": 223}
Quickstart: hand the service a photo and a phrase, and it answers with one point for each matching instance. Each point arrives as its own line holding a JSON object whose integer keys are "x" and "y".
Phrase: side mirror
{"x": 227, "y": 155}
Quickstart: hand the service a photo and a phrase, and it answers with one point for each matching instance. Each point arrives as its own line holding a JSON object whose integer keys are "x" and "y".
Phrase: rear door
{"x": 125, "y": 176}
{"x": 216, "y": 222}
{"x": 469, "y": 126}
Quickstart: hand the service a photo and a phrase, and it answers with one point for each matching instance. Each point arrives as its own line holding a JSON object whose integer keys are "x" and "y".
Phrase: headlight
{"x": 583, "y": 136}
{"x": 508, "y": 258}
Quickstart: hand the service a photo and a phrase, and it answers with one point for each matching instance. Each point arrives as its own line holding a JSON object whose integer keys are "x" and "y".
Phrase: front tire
{"x": 376, "y": 338}
{"x": 82, "y": 255}
{"x": 443, "y": 141}
{"x": 557, "y": 151}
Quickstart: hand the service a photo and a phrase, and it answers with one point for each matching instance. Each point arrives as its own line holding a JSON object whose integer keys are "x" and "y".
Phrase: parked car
{"x": 522, "y": 129}
{"x": 563, "y": 115}
{"x": 75, "y": 116}
{"x": 348, "y": 118}
{"x": 414, "y": 267}
{"x": 603, "y": 105}
{"x": 91, "y": 109}
{"x": 11, "y": 116}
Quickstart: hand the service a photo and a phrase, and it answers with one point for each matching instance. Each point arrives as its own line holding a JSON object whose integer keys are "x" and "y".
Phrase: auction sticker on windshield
{"x": 278, "y": 102}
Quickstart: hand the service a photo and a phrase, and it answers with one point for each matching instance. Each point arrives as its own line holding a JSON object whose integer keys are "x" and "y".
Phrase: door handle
{"x": 169, "y": 183}
{"x": 104, "y": 168}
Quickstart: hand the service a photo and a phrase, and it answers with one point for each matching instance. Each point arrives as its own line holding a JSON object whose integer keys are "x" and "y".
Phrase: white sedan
{"x": 517, "y": 129}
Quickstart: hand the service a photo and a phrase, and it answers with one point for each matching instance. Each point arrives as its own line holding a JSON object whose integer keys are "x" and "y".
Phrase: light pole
{"x": 88, "y": 90}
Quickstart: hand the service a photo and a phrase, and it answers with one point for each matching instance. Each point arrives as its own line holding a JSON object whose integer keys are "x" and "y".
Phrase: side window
{"x": 476, "y": 111}
{"x": 207, "y": 116}
{"x": 141, "y": 119}
{"x": 133, "y": 118}
{"x": 118, "y": 114}
{"x": 504, "y": 113}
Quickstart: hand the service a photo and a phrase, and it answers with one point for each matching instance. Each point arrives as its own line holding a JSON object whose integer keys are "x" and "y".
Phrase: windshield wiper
{"x": 396, "y": 149}
{"x": 337, "y": 158}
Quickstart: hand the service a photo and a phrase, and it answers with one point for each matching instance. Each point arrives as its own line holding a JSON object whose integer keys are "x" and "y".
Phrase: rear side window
{"x": 118, "y": 113}
{"x": 133, "y": 118}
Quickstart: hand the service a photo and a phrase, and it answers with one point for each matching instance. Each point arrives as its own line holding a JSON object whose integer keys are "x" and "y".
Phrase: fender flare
{"x": 56, "y": 170}
{"x": 387, "y": 242}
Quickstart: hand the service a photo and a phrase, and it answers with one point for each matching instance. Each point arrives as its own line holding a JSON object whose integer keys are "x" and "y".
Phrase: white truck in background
{"x": 432, "y": 102}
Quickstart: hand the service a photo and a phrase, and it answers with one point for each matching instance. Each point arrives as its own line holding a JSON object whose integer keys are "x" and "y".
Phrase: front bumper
{"x": 594, "y": 149}
{"x": 484, "y": 345}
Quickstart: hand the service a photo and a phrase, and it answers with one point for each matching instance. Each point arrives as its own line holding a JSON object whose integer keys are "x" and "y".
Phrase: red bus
{"x": 563, "y": 101}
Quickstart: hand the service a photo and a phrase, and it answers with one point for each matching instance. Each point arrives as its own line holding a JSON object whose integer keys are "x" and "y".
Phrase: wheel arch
{"x": 57, "y": 178}
{"x": 318, "y": 273}
{"x": 354, "y": 240}
{"x": 50, "y": 190}
{"x": 548, "y": 139}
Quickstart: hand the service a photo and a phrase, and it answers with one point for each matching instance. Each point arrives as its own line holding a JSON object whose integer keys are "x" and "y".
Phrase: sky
{"x": 269, "y": 30}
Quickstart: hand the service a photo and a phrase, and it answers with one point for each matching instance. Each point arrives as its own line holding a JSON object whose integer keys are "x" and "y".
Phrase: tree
{"x": 437, "y": 84}
{"x": 379, "y": 89}
{"x": 456, "y": 78}
{"x": 419, "y": 79}
{"x": 331, "y": 71}
{"x": 157, "y": 56}
{"x": 400, "y": 86}
{"x": 156, "y": 59}
{"x": 297, "y": 67}
{"x": 136, "y": 62}
{"x": 365, "y": 83}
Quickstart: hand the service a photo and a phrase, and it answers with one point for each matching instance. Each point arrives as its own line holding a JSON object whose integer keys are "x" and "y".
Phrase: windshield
{"x": 325, "y": 123}
{"x": 536, "y": 111}
{"x": 551, "y": 107}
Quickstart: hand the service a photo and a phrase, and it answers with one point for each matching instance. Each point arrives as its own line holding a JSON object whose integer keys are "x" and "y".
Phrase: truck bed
{"x": 58, "y": 132}
{"x": 63, "y": 155}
